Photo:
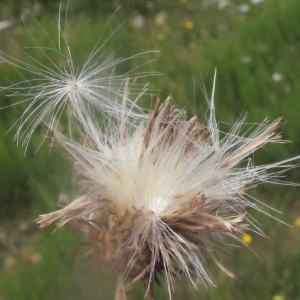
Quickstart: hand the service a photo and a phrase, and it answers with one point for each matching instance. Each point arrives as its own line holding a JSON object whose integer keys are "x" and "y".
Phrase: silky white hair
{"x": 159, "y": 190}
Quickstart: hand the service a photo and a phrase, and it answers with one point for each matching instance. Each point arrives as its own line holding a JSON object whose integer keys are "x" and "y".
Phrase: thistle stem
{"x": 124, "y": 288}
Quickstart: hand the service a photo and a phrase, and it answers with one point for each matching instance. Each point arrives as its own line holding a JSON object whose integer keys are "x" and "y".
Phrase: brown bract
{"x": 136, "y": 242}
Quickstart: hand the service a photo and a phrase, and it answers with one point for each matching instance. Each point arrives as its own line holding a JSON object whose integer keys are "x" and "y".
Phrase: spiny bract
{"x": 162, "y": 193}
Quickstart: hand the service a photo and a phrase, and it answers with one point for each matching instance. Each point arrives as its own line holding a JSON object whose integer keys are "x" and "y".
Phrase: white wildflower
{"x": 244, "y": 8}
{"x": 138, "y": 21}
{"x": 277, "y": 77}
{"x": 5, "y": 24}
{"x": 162, "y": 16}
{"x": 223, "y": 4}
{"x": 220, "y": 3}
{"x": 246, "y": 59}
{"x": 256, "y": 1}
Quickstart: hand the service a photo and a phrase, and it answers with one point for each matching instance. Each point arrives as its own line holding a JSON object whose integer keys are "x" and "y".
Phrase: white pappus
{"x": 160, "y": 194}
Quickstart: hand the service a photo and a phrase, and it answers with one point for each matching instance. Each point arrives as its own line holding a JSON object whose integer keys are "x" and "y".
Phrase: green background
{"x": 255, "y": 47}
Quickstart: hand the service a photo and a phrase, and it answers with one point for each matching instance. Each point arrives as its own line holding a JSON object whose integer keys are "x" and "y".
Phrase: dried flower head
{"x": 161, "y": 194}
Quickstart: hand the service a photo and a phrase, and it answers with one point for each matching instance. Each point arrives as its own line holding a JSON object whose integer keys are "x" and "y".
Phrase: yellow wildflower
{"x": 278, "y": 297}
{"x": 158, "y": 22}
{"x": 247, "y": 239}
{"x": 297, "y": 222}
{"x": 160, "y": 36}
{"x": 192, "y": 45}
{"x": 189, "y": 25}
{"x": 183, "y": 1}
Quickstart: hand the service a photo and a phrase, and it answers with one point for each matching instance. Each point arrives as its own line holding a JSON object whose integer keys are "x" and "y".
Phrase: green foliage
{"x": 246, "y": 48}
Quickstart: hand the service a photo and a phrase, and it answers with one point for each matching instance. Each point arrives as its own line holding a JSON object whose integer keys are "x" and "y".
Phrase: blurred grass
{"x": 246, "y": 48}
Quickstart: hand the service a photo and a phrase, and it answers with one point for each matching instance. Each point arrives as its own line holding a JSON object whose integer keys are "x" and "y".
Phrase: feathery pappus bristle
{"x": 85, "y": 93}
{"x": 160, "y": 196}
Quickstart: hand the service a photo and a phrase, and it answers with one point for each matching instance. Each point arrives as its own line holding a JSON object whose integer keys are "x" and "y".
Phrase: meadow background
{"x": 255, "y": 46}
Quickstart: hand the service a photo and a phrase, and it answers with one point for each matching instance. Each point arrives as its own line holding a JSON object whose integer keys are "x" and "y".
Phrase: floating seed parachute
{"x": 85, "y": 93}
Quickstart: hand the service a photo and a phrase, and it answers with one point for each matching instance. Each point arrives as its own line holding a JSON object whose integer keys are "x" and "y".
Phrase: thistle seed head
{"x": 161, "y": 195}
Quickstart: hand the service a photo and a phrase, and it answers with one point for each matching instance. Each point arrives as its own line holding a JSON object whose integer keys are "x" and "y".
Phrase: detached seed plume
{"x": 161, "y": 194}
{"x": 84, "y": 92}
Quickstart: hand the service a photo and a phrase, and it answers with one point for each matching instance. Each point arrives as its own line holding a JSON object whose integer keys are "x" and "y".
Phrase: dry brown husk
{"x": 195, "y": 221}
